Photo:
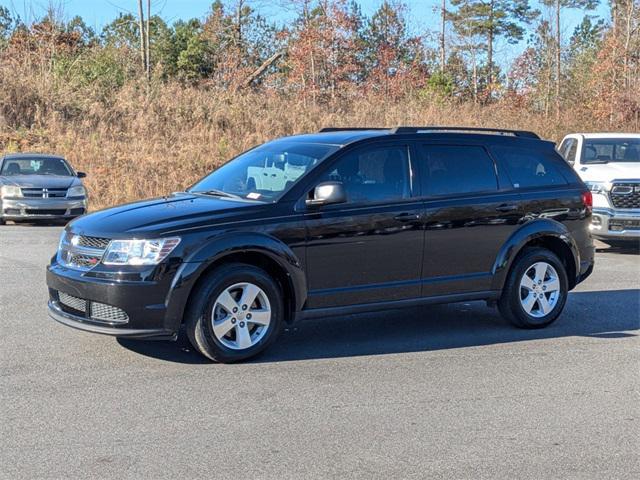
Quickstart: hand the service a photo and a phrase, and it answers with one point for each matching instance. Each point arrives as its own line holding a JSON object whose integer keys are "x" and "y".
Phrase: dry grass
{"x": 135, "y": 145}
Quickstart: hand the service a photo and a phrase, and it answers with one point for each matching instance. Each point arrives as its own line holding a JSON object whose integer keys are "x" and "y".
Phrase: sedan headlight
{"x": 77, "y": 191}
{"x": 598, "y": 187}
{"x": 10, "y": 191}
{"x": 139, "y": 252}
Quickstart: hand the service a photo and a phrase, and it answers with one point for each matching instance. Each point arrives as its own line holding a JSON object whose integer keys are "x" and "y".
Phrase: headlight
{"x": 599, "y": 187}
{"x": 77, "y": 191}
{"x": 139, "y": 252}
{"x": 8, "y": 191}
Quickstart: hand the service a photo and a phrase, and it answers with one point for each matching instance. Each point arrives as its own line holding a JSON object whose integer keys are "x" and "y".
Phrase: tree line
{"x": 331, "y": 51}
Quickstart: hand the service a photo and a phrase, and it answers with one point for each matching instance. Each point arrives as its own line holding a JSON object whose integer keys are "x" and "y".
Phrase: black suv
{"x": 337, "y": 222}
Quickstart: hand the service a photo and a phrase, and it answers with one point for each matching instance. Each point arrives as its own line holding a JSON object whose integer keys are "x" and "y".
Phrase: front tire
{"x": 235, "y": 313}
{"x": 536, "y": 289}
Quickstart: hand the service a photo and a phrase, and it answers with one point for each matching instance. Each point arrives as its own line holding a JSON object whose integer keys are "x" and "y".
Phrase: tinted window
{"x": 373, "y": 174}
{"x": 529, "y": 169}
{"x": 450, "y": 170}
{"x": 266, "y": 172}
{"x": 604, "y": 150}
{"x": 35, "y": 166}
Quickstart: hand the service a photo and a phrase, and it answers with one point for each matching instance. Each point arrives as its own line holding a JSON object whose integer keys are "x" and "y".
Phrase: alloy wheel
{"x": 539, "y": 289}
{"x": 241, "y": 316}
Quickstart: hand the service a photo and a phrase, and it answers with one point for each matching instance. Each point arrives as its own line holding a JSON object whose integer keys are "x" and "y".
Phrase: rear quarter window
{"x": 530, "y": 168}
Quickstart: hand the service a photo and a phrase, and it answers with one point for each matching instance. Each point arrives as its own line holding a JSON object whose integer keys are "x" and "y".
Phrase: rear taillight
{"x": 587, "y": 200}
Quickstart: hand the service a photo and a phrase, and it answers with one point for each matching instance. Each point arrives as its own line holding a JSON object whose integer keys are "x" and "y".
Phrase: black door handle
{"x": 506, "y": 208}
{"x": 407, "y": 217}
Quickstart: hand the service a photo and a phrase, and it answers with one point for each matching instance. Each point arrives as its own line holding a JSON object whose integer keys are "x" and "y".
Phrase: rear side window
{"x": 528, "y": 168}
{"x": 456, "y": 169}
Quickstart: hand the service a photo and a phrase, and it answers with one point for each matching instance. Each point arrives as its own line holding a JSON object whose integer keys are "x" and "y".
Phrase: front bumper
{"x": 154, "y": 306}
{"x": 41, "y": 208}
{"x": 81, "y": 323}
{"x": 610, "y": 223}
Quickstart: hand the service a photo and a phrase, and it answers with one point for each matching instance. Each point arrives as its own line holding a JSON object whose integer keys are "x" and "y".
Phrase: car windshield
{"x": 605, "y": 150}
{"x": 264, "y": 173}
{"x": 35, "y": 166}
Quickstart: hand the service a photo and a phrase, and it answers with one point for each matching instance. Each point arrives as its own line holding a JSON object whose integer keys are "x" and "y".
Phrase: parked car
{"x": 609, "y": 163}
{"x": 378, "y": 220}
{"x": 40, "y": 187}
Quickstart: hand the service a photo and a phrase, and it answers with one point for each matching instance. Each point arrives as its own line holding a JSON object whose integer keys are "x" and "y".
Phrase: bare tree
{"x": 148, "y": 43}
{"x": 143, "y": 40}
{"x": 443, "y": 23}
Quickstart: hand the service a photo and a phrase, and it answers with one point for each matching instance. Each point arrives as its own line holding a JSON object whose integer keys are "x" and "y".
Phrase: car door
{"x": 468, "y": 217}
{"x": 370, "y": 248}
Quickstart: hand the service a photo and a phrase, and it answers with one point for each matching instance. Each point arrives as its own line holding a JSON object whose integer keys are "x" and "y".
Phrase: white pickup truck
{"x": 609, "y": 163}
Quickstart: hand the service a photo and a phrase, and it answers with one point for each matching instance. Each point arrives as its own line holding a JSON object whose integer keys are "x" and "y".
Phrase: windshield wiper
{"x": 219, "y": 193}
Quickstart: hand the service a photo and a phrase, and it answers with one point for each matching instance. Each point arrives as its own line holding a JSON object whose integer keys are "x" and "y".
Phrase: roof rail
{"x": 499, "y": 131}
{"x": 346, "y": 129}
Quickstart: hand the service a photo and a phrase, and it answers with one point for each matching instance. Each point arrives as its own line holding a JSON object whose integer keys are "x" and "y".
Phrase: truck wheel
{"x": 536, "y": 289}
{"x": 235, "y": 313}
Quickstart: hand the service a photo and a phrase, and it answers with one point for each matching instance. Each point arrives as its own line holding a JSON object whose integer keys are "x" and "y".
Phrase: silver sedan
{"x": 40, "y": 187}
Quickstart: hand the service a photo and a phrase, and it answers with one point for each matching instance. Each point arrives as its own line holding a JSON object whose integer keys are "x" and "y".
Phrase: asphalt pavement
{"x": 433, "y": 392}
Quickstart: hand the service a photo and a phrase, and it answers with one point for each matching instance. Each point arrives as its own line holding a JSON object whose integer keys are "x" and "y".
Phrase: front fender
{"x": 535, "y": 229}
{"x": 219, "y": 246}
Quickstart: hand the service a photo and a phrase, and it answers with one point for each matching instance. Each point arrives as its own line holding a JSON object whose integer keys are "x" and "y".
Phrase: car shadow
{"x": 629, "y": 248}
{"x": 607, "y": 315}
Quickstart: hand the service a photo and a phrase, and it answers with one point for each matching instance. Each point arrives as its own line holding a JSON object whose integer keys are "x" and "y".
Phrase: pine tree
{"x": 490, "y": 20}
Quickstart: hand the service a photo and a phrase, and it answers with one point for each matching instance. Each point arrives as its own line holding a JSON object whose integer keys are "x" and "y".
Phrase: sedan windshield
{"x": 264, "y": 173}
{"x": 605, "y": 150}
{"x": 35, "y": 166}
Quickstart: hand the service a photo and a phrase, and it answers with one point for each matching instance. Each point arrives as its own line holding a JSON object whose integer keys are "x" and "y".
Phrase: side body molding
{"x": 532, "y": 230}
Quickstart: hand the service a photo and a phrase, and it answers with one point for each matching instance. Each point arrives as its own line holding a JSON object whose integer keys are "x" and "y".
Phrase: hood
{"x": 40, "y": 181}
{"x": 167, "y": 215}
{"x": 606, "y": 172}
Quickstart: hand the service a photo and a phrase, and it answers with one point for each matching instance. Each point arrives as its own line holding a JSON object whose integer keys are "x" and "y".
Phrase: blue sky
{"x": 97, "y": 13}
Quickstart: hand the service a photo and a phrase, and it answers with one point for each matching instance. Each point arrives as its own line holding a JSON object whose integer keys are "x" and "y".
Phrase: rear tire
{"x": 536, "y": 289}
{"x": 235, "y": 313}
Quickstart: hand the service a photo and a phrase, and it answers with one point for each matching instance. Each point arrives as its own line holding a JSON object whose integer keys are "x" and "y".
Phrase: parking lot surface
{"x": 434, "y": 392}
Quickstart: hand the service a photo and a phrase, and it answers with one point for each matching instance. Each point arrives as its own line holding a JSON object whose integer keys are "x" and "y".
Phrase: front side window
{"x": 605, "y": 150}
{"x": 264, "y": 173}
{"x": 571, "y": 152}
{"x": 371, "y": 175}
{"x": 35, "y": 166}
{"x": 568, "y": 150}
{"x": 456, "y": 169}
{"x": 527, "y": 168}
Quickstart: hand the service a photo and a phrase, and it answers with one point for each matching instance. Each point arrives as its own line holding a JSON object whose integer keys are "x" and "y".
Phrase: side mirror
{"x": 327, "y": 193}
{"x": 81, "y": 174}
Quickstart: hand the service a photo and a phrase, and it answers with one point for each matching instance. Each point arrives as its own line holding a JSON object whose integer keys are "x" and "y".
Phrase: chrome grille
{"x": 108, "y": 313}
{"x": 72, "y": 302}
{"x": 625, "y": 194}
{"x": 81, "y": 252}
{"x": 84, "y": 261}
{"x": 93, "y": 242}
{"x": 44, "y": 192}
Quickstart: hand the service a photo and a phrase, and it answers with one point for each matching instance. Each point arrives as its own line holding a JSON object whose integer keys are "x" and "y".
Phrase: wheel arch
{"x": 263, "y": 251}
{"x": 544, "y": 233}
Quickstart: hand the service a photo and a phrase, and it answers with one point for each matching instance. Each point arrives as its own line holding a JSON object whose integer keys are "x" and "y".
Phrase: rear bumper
{"x": 610, "y": 223}
{"x": 41, "y": 208}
